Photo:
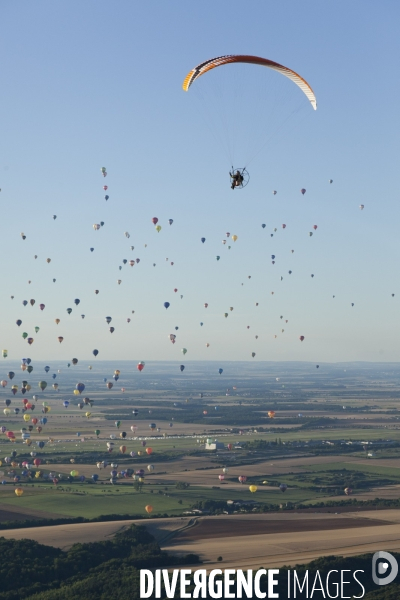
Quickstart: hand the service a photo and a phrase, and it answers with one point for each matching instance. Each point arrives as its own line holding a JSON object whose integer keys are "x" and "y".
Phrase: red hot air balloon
{"x": 315, "y": 227}
{"x": 154, "y": 220}
{"x": 301, "y": 338}
{"x": 140, "y": 366}
{"x": 242, "y": 478}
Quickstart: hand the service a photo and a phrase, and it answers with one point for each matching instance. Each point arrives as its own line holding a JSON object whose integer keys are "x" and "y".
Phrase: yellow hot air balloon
{"x": 76, "y": 392}
{"x": 19, "y": 492}
{"x": 234, "y": 237}
{"x": 88, "y": 415}
{"x": 158, "y": 228}
{"x": 27, "y": 418}
{"x": 253, "y": 488}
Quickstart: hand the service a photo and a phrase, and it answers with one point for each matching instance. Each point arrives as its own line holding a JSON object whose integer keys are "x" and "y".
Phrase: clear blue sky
{"x": 94, "y": 83}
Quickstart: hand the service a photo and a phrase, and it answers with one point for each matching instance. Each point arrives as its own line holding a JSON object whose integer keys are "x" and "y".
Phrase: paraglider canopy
{"x": 256, "y": 60}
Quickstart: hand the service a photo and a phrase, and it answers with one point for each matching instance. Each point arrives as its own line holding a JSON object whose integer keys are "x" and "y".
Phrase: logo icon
{"x": 384, "y": 568}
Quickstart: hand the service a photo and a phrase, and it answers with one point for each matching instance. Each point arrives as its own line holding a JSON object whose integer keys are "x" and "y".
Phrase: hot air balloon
{"x": 242, "y": 478}
{"x": 301, "y": 338}
{"x": 303, "y": 191}
{"x": 182, "y": 367}
{"x": 148, "y": 509}
{"x": 253, "y": 488}
{"x": 220, "y": 371}
{"x": 166, "y": 304}
{"x": 203, "y": 239}
{"x": 80, "y": 387}
{"x": 140, "y": 366}
{"x": 283, "y": 487}
{"x": 95, "y": 352}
